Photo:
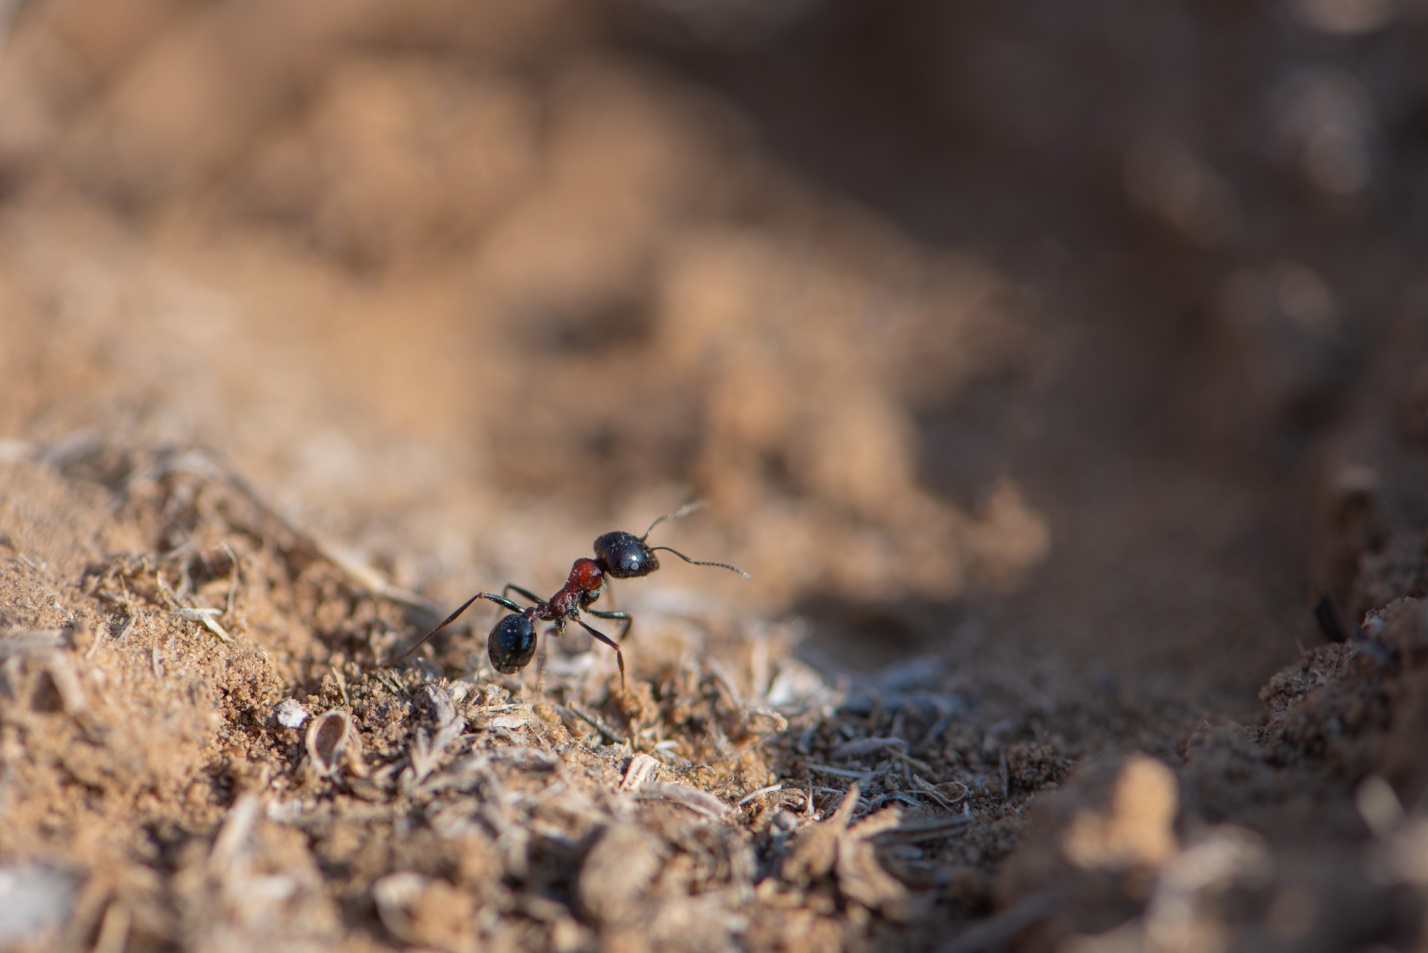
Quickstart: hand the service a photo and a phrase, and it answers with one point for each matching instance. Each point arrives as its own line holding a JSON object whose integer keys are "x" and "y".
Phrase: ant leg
{"x": 619, "y": 656}
{"x": 510, "y": 586}
{"x": 540, "y": 666}
{"x": 543, "y": 647}
{"x": 499, "y": 600}
{"x": 618, "y": 617}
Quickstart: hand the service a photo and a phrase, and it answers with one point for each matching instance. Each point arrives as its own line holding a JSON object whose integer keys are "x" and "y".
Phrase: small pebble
{"x": 289, "y": 713}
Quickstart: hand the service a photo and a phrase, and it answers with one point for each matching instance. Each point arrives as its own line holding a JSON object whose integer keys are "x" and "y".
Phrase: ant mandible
{"x": 618, "y": 555}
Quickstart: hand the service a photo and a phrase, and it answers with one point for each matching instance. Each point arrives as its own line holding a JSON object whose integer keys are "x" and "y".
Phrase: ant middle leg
{"x": 523, "y": 592}
{"x": 617, "y": 616}
{"x": 619, "y": 656}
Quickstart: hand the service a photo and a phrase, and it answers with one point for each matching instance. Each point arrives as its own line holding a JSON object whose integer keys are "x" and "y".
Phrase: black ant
{"x": 619, "y": 555}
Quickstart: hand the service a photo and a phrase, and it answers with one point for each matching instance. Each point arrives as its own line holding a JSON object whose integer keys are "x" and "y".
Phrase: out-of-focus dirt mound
{"x": 1034, "y": 367}
{"x": 440, "y": 237}
{"x": 1304, "y": 832}
{"x": 204, "y": 747}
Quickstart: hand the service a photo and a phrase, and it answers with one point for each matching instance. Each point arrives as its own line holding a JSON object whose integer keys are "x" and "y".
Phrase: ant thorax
{"x": 581, "y": 589}
{"x": 585, "y": 576}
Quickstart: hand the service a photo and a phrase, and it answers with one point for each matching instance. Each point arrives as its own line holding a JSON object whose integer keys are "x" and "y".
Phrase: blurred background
{"x": 1064, "y": 332}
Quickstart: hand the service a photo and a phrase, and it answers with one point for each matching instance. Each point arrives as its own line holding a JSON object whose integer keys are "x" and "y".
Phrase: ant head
{"x": 511, "y": 644}
{"x": 625, "y": 555}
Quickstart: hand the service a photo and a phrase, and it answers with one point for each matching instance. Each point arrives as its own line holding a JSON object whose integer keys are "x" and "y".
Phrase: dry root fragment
{"x": 639, "y": 780}
{"x": 753, "y": 796}
{"x": 507, "y": 722}
{"x": 860, "y": 747}
{"x": 208, "y": 618}
{"x": 912, "y": 830}
{"x": 642, "y": 768}
{"x": 696, "y": 800}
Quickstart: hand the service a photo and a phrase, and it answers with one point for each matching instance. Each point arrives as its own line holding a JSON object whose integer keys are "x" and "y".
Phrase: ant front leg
{"x": 618, "y": 617}
{"x": 489, "y": 596}
{"x": 619, "y": 656}
{"x": 525, "y": 593}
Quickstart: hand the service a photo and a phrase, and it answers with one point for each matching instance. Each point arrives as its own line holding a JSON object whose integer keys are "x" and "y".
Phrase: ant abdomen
{"x": 625, "y": 555}
{"x": 511, "y": 644}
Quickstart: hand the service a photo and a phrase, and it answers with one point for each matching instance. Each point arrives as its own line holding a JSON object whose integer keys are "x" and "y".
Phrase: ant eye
{"x": 511, "y": 644}
{"x": 625, "y": 556}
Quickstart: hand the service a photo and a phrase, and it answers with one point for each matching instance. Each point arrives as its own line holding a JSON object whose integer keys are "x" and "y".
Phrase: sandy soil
{"x": 1045, "y": 372}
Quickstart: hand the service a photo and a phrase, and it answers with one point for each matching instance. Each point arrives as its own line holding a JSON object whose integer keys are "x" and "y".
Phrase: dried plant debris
{"x": 197, "y": 733}
{"x": 331, "y": 742}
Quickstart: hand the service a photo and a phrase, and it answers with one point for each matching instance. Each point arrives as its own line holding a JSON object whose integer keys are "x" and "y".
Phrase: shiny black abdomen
{"x": 511, "y": 644}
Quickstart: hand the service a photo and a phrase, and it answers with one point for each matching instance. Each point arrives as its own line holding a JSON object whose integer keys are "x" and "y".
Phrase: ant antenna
{"x": 691, "y": 507}
{"x": 679, "y": 514}
{"x": 702, "y": 562}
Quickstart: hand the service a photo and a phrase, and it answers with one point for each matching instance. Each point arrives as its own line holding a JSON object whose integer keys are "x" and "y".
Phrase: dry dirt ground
{"x": 1045, "y": 370}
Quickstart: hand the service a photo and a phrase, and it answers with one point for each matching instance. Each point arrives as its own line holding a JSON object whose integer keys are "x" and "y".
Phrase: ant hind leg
{"x": 619, "y": 656}
{"x": 540, "y": 663}
{"x": 489, "y": 596}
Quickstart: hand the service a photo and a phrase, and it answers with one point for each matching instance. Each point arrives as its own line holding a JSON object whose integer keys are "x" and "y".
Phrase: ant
{"x": 618, "y": 555}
